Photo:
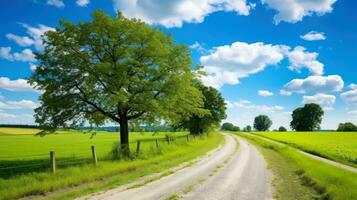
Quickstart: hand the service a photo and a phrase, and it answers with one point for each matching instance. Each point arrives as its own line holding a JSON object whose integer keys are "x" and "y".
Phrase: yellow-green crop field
{"x": 338, "y": 146}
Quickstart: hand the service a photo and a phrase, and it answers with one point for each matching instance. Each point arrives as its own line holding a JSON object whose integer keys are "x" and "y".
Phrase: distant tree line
{"x": 347, "y": 127}
{"x": 18, "y": 126}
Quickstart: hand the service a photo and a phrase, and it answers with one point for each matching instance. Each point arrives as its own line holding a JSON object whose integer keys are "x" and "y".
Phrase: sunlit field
{"x": 18, "y": 131}
{"x": 338, "y": 146}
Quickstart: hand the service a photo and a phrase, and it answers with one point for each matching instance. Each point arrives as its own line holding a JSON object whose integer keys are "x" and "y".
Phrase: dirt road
{"x": 224, "y": 174}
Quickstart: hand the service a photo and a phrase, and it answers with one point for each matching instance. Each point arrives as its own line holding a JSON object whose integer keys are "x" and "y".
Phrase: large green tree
{"x": 307, "y": 118}
{"x": 113, "y": 70}
{"x": 214, "y": 103}
{"x": 262, "y": 123}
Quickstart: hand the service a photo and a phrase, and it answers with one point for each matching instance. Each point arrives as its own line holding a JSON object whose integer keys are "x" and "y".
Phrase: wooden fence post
{"x": 53, "y": 162}
{"x": 138, "y": 147}
{"x": 157, "y": 143}
{"x": 168, "y": 139}
{"x": 94, "y": 156}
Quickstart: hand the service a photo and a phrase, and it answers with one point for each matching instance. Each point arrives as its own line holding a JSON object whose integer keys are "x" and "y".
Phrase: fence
{"x": 38, "y": 162}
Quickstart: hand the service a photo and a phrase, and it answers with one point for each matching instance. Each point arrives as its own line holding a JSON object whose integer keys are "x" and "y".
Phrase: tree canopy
{"x": 214, "y": 103}
{"x": 262, "y": 123}
{"x": 113, "y": 70}
{"x": 347, "y": 127}
{"x": 307, "y": 118}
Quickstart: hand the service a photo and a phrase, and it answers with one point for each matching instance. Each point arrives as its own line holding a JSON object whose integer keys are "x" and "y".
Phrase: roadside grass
{"x": 21, "y": 154}
{"x": 76, "y": 181}
{"x": 337, "y": 146}
{"x": 298, "y": 176}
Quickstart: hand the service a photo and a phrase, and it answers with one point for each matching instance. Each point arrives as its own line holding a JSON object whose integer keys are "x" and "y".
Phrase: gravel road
{"x": 245, "y": 178}
{"x": 242, "y": 175}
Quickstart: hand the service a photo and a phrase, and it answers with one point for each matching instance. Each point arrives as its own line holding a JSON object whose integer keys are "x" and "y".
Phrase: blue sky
{"x": 265, "y": 56}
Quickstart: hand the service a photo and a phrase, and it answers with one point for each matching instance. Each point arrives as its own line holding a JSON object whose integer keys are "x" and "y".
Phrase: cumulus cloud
{"x": 324, "y": 100}
{"x": 314, "y": 84}
{"x": 265, "y": 93}
{"x": 23, "y": 104}
{"x": 82, "y": 3}
{"x": 37, "y": 34}
{"x": 313, "y": 36}
{"x": 8, "y": 118}
{"x": 57, "y": 3}
{"x": 25, "y": 56}
{"x": 350, "y": 96}
{"x": 22, "y": 41}
{"x": 175, "y": 12}
{"x": 300, "y": 58}
{"x": 226, "y": 64}
{"x": 293, "y": 11}
{"x": 245, "y": 104}
{"x": 15, "y": 85}
{"x": 198, "y": 47}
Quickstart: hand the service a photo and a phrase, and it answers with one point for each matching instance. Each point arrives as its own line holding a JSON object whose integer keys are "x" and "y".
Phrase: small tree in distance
{"x": 262, "y": 123}
{"x": 282, "y": 129}
{"x": 307, "y": 118}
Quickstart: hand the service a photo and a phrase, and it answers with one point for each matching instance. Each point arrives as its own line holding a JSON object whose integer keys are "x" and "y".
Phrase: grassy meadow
{"x": 297, "y": 176}
{"x": 29, "y": 150}
{"x": 338, "y": 146}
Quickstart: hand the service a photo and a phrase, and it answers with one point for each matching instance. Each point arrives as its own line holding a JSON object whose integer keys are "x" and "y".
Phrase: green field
{"x": 72, "y": 147}
{"x": 338, "y": 146}
{"x": 65, "y": 144}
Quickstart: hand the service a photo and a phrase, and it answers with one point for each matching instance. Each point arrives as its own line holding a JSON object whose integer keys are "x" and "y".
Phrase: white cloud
{"x": 82, "y": 3}
{"x": 295, "y": 10}
{"x": 37, "y": 34}
{"x": 320, "y": 98}
{"x": 300, "y": 58}
{"x": 314, "y": 84}
{"x": 285, "y": 93}
{"x": 25, "y": 56}
{"x": 313, "y": 36}
{"x": 57, "y": 3}
{"x": 33, "y": 67}
{"x": 265, "y": 93}
{"x": 245, "y": 104}
{"x": 226, "y": 64}
{"x": 174, "y": 13}
{"x": 22, "y": 41}
{"x": 350, "y": 96}
{"x": 353, "y": 86}
{"x": 15, "y": 85}
{"x": 198, "y": 47}
{"x": 23, "y": 104}
{"x": 8, "y": 118}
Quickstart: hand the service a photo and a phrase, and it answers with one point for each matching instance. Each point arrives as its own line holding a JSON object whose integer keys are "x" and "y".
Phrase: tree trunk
{"x": 124, "y": 137}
